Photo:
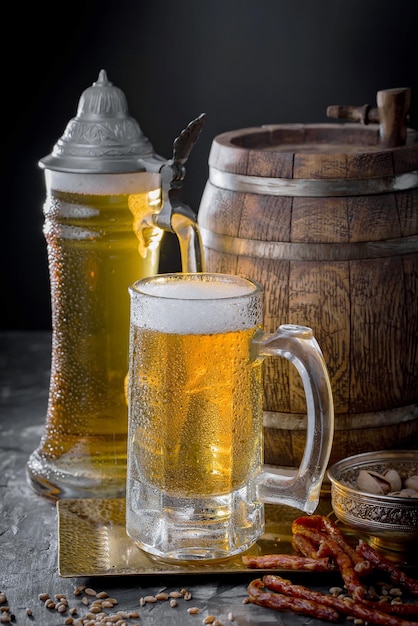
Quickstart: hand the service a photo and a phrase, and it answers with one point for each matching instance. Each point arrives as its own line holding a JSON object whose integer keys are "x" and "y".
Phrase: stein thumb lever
{"x": 175, "y": 216}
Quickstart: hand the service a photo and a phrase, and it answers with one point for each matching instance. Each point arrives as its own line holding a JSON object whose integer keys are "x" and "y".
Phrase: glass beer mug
{"x": 196, "y": 483}
{"x": 109, "y": 200}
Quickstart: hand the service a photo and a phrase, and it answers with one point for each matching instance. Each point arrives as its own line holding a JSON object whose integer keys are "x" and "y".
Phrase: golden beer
{"x": 195, "y": 435}
{"x": 98, "y": 243}
{"x": 196, "y": 407}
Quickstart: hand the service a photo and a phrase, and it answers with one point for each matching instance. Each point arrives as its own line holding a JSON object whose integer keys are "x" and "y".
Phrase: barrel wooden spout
{"x": 391, "y": 114}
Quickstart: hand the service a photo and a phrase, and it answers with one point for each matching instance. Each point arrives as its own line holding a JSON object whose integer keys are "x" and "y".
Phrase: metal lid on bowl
{"x": 102, "y": 138}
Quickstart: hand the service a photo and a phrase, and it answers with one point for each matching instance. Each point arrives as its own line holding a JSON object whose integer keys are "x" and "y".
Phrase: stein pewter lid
{"x": 102, "y": 138}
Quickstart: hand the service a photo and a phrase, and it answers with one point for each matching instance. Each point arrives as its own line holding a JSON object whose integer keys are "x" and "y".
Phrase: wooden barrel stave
{"x": 346, "y": 265}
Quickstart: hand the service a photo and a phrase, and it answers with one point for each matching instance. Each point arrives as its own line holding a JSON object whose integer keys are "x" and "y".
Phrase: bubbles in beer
{"x": 93, "y": 257}
{"x": 195, "y": 410}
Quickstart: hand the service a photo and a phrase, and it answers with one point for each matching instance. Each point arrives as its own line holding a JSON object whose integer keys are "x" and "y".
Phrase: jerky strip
{"x": 281, "y": 602}
{"x": 287, "y": 561}
{"x": 370, "y": 614}
{"x": 381, "y": 563}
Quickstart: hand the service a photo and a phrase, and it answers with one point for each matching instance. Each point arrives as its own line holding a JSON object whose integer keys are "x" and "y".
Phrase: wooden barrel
{"x": 326, "y": 219}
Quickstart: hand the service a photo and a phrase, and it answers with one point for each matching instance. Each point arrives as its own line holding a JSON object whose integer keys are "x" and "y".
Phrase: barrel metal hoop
{"x": 315, "y": 188}
{"x": 283, "y": 250}
{"x": 387, "y": 417}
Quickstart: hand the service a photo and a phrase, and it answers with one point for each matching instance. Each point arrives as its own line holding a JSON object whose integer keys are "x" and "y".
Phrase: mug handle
{"x": 298, "y": 345}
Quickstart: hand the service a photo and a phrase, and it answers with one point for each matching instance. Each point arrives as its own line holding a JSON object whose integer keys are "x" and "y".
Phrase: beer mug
{"x": 196, "y": 483}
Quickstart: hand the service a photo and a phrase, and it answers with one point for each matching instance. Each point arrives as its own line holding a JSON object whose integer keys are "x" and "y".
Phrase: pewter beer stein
{"x": 109, "y": 200}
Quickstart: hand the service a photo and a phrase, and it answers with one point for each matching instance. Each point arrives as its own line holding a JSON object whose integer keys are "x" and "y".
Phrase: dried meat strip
{"x": 281, "y": 602}
{"x": 354, "y": 586}
{"x": 328, "y": 546}
{"x": 379, "y": 562}
{"x": 288, "y": 561}
{"x": 305, "y": 546}
{"x": 347, "y": 606}
{"x": 325, "y": 525}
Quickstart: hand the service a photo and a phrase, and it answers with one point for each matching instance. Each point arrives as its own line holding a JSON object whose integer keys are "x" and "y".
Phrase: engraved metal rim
{"x": 367, "y": 516}
{"x": 306, "y": 187}
{"x": 396, "y": 532}
{"x": 284, "y": 250}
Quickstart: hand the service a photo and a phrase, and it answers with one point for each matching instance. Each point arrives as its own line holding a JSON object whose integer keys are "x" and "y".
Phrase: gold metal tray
{"x": 92, "y": 541}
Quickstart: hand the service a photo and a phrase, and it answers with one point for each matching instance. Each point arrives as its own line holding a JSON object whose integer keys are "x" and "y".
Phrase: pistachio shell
{"x": 372, "y": 482}
{"x": 405, "y": 493}
{"x": 411, "y": 483}
{"x": 394, "y": 479}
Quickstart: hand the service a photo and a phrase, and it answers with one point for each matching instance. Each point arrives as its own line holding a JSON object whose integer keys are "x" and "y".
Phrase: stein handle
{"x": 302, "y": 490}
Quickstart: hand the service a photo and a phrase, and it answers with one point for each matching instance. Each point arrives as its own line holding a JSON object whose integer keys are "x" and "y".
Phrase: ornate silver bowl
{"x": 389, "y": 520}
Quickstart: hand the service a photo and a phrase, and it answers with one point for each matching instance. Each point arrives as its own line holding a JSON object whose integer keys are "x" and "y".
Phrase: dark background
{"x": 242, "y": 62}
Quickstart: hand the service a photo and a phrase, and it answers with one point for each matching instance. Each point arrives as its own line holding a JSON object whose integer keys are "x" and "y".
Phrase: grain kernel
{"x": 193, "y": 610}
{"x": 90, "y": 592}
{"x": 150, "y": 599}
{"x": 231, "y": 617}
{"x": 162, "y": 596}
{"x": 101, "y": 595}
{"x": 3, "y": 598}
{"x": 187, "y": 595}
{"x": 395, "y": 592}
{"x": 79, "y": 590}
{"x": 209, "y": 619}
{"x": 175, "y": 594}
{"x": 43, "y": 596}
{"x": 173, "y": 603}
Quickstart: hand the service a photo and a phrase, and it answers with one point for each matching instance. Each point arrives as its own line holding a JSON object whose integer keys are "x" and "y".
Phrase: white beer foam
{"x": 196, "y": 289}
{"x": 102, "y": 184}
{"x": 195, "y": 307}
